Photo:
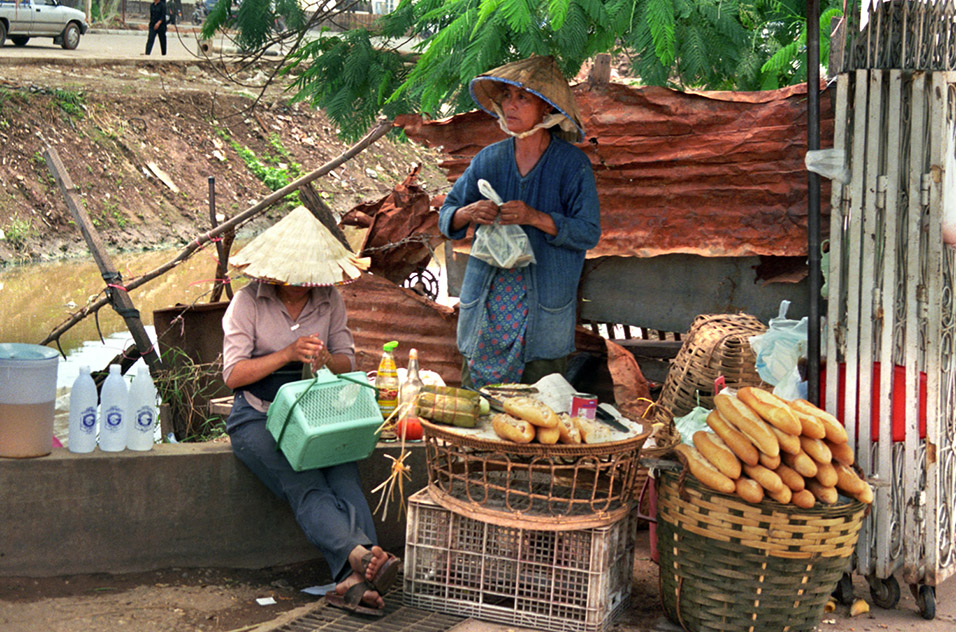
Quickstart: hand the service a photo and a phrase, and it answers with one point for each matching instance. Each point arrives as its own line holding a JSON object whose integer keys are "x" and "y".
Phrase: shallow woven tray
{"x": 554, "y": 487}
{"x": 727, "y": 565}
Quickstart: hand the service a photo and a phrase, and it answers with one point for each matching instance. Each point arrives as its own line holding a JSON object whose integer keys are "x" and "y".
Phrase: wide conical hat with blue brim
{"x": 540, "y": 76}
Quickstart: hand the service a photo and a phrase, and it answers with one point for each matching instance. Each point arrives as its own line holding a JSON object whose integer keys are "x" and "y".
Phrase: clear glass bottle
{"x": 411, "y": 387}
{"x": 386, "y": 380}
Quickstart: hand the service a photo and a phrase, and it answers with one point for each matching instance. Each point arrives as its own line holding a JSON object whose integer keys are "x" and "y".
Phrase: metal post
{"x": 815, "y": 280}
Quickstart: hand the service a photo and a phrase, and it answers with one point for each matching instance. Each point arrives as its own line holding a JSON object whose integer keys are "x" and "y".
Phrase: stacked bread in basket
{"x": 762, "y": 445}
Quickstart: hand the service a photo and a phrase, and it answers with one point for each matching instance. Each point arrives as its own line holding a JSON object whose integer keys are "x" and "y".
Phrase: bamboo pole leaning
{"x": 374, "y": 134}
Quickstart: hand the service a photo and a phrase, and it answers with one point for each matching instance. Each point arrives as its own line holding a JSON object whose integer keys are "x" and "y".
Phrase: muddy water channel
{"x": 36, "y": 298}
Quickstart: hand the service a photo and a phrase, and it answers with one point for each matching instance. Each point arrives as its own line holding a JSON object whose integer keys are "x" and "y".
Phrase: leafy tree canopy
{"x": 359, "y": 73}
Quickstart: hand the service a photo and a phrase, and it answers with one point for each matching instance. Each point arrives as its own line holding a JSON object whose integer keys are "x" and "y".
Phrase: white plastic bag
{"x": 690, "y": 423}
{"x": 780, "y": 348}
{"x": 503, "y": 246}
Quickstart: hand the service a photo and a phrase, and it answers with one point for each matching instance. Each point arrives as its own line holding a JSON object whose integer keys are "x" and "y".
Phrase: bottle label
{"x": 387, "y": 400}
{"x": 114, "y": 417}
{"x": 144, "y": 418}
{"x": 88, "y": 420}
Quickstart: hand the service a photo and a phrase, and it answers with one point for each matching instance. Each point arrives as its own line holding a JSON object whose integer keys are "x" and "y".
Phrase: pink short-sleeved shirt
{"x": 257, "y": 324}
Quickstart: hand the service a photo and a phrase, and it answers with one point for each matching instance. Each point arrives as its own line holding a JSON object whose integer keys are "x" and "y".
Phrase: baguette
{"x": 841, "y": 452}
{"x": 834, "y": 429}
{"x": 590, "y": 431}
{"x": 716, "y": 451}
{"x": 744, "y": 419}
{"x": 788, "y": 443}
{"x": 547, "y": 436}
{"x": 784, "y": 496}
{"x": 569, "y": 433}
{"x": 816, "y": 449}
{"x": 771, "y": 408}
{"x": 803, "y": 499}
{"x": 848, "y": 480}
{"x": 531, "y": 410}
{"x": 810, "y": 426}
{"x": 791, "y": 478}
{"x": 749, "y": 489}
{"x": 735, "y": 440}
{"x": 826, "y": 495}
{"x": 803, "y": 464}
{"x": 769, "y": 462}
{"x": 703, "y": 471}
{"x": 827, "y": 474}
{"x": 511, "y": 428}
{"x": 768, "y": 479}
{"x": 866, "y": 494}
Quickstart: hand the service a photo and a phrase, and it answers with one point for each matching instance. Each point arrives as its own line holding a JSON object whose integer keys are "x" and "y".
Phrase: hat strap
{"x": 552, "y": 119}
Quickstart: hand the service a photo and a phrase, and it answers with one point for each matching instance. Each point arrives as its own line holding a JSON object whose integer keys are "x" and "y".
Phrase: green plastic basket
{"x": 325, "y": 421}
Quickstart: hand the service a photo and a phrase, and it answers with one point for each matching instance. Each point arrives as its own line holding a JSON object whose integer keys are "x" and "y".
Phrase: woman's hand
{"x": 309, "y": 350}
{"x": 480, "y": 212}
{"x": 517, "y": 212}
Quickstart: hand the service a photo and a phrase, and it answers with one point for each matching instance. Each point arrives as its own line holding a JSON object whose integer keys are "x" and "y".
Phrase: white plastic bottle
{"x": 114, "y": 400}
{"x": 142, "y": 411}
{"x": 83, "y": 400}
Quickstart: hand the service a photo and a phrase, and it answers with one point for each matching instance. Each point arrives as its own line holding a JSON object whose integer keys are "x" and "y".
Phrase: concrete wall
{"x": 189, "y": 505}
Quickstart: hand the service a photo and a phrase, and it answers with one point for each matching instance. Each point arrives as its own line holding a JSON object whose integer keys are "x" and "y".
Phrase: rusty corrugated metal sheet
{"x": 402, "y": 229}
{"x": 380, "y": 311}
{"x": 716, "y": 174}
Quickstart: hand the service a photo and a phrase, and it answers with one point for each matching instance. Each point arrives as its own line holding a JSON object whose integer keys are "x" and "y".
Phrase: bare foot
{"x": 370, "y": 598}
{"x": 379, "y": 557}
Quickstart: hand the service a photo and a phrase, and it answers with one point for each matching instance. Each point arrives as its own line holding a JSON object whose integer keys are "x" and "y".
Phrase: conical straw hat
{"x": 298, "y": 250}
{"x": 538, "y": 75}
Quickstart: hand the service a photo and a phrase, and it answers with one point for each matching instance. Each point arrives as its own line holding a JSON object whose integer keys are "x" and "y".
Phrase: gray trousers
{"x": 328, "y": 503}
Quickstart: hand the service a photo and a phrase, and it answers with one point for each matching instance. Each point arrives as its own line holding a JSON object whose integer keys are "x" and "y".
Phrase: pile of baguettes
{"x": 792, "y": 452}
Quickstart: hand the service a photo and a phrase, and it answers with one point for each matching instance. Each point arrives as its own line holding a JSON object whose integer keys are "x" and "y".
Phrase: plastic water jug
{"x": 27, "y": 399}
{"x": 142, "y": 411}
{"x": 114, "y": 403}
{"x": 83, "y": 400}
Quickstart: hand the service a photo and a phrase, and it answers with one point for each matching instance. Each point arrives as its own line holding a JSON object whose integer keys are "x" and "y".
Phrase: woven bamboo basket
{"x": 552, "y": 487}
{"x": 730, "y": 566}
{"x": 717, "y": 345}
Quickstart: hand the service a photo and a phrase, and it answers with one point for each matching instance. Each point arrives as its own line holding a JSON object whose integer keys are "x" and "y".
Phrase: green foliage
{"x": 185, "y": 387}
{"x": 18, "y": 231}
{"x": 277, "y": 173}
{"x": 702, "y": 44}
{"x": 73, "y": 102}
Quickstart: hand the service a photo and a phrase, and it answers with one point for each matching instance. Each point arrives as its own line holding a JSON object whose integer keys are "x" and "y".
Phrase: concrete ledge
{"x": 189, "y": 505}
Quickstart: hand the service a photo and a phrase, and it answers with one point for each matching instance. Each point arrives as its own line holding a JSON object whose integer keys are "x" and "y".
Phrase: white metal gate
{"x": 892, "y": 310}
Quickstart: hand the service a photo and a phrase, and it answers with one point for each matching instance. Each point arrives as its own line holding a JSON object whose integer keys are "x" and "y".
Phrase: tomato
{"x": 410, "y": 428}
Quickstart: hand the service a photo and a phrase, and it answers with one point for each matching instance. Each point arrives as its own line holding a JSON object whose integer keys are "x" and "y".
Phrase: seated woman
{"x": 289, "y": 318}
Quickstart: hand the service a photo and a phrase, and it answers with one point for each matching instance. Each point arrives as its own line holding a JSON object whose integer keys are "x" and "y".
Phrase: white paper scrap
{"x": 266, "y": 601}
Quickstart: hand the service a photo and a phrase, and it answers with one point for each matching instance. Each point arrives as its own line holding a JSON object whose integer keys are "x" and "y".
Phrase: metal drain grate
{"x": 397, "y": 618}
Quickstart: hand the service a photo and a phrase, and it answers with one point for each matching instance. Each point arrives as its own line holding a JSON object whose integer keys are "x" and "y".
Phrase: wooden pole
{"x": 116, "y": 293}
{"x": 377, "y": 132}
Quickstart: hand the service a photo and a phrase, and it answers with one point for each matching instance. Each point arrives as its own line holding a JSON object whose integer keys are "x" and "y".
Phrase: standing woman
{"x": 517, "y": 325}
{"x": 289, "y": 317}
{"x": 157, "y": 26}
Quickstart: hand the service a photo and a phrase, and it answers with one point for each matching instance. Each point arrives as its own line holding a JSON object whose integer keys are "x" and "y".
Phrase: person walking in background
{"x": 157, "y": 26}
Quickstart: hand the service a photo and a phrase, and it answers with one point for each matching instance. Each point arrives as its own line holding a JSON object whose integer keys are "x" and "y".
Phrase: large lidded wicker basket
{"x": 717, "y": 345}
{"x": 730, "y": 566}
{"x": 552, "y": 487}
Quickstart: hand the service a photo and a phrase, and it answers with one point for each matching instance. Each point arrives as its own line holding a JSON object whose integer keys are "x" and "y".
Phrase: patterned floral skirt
{"x": 499, "y": 353}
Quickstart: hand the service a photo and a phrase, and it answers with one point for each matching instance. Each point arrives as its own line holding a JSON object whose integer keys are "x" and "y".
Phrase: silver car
{"x": 23, "y": 19}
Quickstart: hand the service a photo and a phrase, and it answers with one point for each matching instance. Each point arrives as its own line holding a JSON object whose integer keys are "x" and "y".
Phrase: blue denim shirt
{"x": 561, "y": 185}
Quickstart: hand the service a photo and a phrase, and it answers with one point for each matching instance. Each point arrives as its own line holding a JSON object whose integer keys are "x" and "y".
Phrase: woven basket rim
{"x": 725, "y": 509}
{"x": 605, "y": 448}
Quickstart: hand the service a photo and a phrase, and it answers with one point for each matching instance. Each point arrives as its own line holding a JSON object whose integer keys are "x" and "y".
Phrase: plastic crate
{"x": 570, "y": 581}
{"x": 330, "y": 420}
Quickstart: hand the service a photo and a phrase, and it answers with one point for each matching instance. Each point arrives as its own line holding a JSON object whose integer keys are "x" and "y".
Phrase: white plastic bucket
{"x": 27, "y": 399}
